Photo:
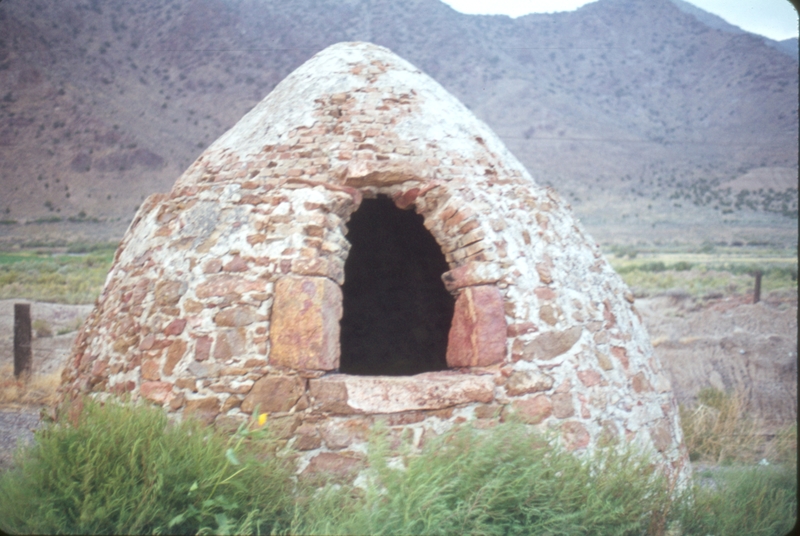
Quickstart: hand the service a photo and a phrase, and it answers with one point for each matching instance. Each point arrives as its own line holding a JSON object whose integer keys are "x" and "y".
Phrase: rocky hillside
{"x": 638, "y": 106}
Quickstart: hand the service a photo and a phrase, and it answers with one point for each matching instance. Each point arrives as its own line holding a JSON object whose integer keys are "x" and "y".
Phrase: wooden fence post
{"x": 22, "y": 339}
{"x": 757, "y": 290}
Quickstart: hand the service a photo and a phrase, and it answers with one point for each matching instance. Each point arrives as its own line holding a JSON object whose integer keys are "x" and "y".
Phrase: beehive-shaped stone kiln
{"x": 360, "y": 247}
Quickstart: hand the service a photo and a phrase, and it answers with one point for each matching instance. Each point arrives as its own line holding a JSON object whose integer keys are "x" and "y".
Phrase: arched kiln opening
{"x": 397, "y": 313}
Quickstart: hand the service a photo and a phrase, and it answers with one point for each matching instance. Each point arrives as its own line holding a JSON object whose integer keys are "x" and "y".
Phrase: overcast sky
{"x": 776, "y": 19}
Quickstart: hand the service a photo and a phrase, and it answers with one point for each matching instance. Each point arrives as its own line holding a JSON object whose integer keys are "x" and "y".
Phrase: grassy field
{"x": 708, "y": 272}
{"x": 57, "y": 277}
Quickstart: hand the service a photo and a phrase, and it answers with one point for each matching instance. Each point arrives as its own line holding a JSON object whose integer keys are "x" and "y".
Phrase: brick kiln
{"x": 360, "y": 247}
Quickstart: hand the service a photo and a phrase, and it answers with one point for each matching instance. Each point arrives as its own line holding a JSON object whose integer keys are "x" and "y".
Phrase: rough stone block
{"x": 304, "y": 328}
{"x": 157, "y": 392}
{"x": 396, "y": 394}
{"x": 551, "y": 344}
{"x": 574, "y": 435}
{"x": 478, "y": 332}
{"x": 274, "y": 394}
{"x": 205, "y": 409}
{"x": 533, "y": 410}
{"x": 562, "y": 405}
{"x": 527, "y": 381}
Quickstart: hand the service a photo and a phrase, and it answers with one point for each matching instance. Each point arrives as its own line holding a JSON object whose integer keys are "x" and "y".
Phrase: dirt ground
{"x": 730, "y": 344}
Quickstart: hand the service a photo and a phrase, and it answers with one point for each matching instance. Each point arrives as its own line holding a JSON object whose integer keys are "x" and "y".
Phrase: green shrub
{"x": 121, "y": 469}
{"x": 502, "y": 481}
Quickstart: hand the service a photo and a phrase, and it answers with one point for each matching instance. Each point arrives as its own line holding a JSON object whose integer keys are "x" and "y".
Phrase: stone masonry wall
{"x": 225, "y": 295}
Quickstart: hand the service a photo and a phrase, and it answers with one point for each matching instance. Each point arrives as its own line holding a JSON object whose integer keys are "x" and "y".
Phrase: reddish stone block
{"x": 640, "y": 383}
{"x": 205, "y": 409}
{"x": 622, "y": 354}
{"x": 212, "y": 267}
{"x": 224, "y": 284}
{"x": 169, "y": 292}
{"x": 551, "y": 344}
{"x": 174, "y": 354}
{"x": 562, "y": 405}
{"x": 533, "y": 410}
{"x": 237, "y": 264}
{"x": 343, "y": 466}
{"x": 238, "y": 316}
{"x": 273, "y": 394}
{"x": 544, "y": 293}
{"x": 307, "y": 437}
{"x": 150, "y": 370}
{"x": 523, "y": 382}
{"x": 589, "y": 377}
{"x": 202, "y": 348}
{"x": 157, "y": 392}
{"x": 478, "y": 332}
{"x": 175, "y": 327}
{"x": 304, "y": 328}
{"x": 574, "y": 435}
{"x": 341, "y": 434}
{"x": 99, "y": 367}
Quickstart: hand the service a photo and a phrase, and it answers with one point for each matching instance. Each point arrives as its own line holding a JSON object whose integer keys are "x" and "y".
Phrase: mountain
{"x": 643, "y": 116}
{"x": 787, "y": 46}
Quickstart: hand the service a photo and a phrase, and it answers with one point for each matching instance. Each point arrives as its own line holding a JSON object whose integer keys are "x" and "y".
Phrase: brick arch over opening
{"x": 305, "y": 318}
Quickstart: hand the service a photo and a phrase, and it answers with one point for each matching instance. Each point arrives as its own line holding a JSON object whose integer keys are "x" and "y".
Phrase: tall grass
{"x": 506, "y": 481}
{"x": 120, "y": 469}
{"x": 35, "y": 389}
{"x": 124, "y": 469}
{"x": 719, "y": 429}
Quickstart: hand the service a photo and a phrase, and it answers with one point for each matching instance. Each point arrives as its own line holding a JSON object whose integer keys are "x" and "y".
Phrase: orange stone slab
{"x": 478, "y": 332}
{"x": 304, "y": 327}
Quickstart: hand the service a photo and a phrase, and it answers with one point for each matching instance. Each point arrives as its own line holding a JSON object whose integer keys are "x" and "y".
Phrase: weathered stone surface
{"x": 661, "y": 434}
{"x": 527, "y": 381}
{"x": 175, "y": 352}
{"x": 205, "y": 409}
{"x": 150, "y": 370}
{"x": 640, "y": 384}
{"x": 471, "y": 274}
{"x": 175, "y": 327}
{"x": 622, "y": 354}
{"x": 304, "y": 328}
{"x": 551, "y": 344}
{"x": 274, "y": 394}
{"x": 202, "y": 349}
{"x": 589, "y": 377}
{"x": 238, "y": 316}
{"x": 533, "y": 410}
{"x": 225, "y": 284}
{"x": 478, "y": 332}
{"x": 169, "y": 292}
{"x": 339, "y": 434}
{"x": 395, "y": 394}
{"x": 574, "y": 435}
{"x": 344, "y": 466}
{"x": 157, "y": 392}
{"x": 563, "y": 406}
{"x": 330, "y": 396}
{"x": 307, "y": 437}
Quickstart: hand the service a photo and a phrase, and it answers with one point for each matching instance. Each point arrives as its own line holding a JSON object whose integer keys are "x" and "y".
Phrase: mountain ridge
{"x": 104, "y": 103}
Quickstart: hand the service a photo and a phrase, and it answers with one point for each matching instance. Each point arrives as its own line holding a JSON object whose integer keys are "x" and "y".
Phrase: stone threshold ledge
{"x": 347, "y": 394}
